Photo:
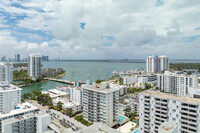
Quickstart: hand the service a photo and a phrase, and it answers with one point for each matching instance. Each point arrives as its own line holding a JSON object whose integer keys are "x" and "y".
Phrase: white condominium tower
{"x": 34, "y": 65}
{"x": 176, "y": 82}
{"x": 157, "y": 108}
{"x": 76, "y": 95}
{"x": 100, "y": 103}
{"x": 6, "y": 72}
{"x": 10, "y": 97}
{"x": 156, "y": 63}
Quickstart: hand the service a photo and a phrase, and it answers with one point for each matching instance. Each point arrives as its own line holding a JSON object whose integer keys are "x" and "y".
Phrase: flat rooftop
{"x": 126, "y": 128}
{"x": 99, "y": 88}
{"x": 161, "y": 95}
{"x": 24, "y": 107}
{"x": 66, "y": 102}
{"x": 10, "y": 87}
{"x": 67, "y": 118}
{"x": 24, "y": 117}
{"x": 50, "y": 94}
{"x": 98, "y": 128}
{"x": 57, "y": 92}
{"x": 167, "y": 127}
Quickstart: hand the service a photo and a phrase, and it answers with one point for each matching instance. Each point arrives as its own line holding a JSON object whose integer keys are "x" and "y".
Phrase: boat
{"x": 41, "y": 87}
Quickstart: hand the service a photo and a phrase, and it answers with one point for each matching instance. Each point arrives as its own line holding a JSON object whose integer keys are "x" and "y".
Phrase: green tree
{"x": 59, "y": 106}
{"x": 99, "y": 81}
{"x": 127, "y": 111}
{"x": 147, "y": 86}
{"x": 120, "y": 80}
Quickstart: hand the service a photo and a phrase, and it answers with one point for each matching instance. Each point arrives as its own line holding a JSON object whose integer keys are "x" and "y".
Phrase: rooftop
{"x": 66, "y": 118}
{"x": 168, "y": 127}
{"x": 98, "y": 128}
{"x": 8, "y": 87}
{"x": 171, "y": 96}
{"x": 24, "y": 107}
{"x": 35, "y": 55}
{"x": 66, "y": 102}
{"x": 23, "y": 117}
{"x": 57, "y": 92}
{"x": 104, "y": 87}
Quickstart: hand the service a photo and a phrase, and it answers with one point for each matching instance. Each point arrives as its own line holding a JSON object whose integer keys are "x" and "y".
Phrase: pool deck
{"x": 135, "y": 130}
{"x": 126, "y": 127}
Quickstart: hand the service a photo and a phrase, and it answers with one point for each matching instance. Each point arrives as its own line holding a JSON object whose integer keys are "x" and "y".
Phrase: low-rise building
{"x": 142, "y": 81}
{"x": 128, "y": 80}
{"x": 55, "y": 93}
{"x": 98, "y": 128}
{"x": 67, "y": 105}
{"x": 70, "y": 123}
{"x": 129, "y": 101}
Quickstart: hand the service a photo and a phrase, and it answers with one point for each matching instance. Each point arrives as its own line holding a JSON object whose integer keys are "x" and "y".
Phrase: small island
{"x": 21, "y": 77}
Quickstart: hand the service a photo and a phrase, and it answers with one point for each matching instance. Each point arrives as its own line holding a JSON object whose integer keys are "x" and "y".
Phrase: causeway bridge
{"x": 65, "y": 81}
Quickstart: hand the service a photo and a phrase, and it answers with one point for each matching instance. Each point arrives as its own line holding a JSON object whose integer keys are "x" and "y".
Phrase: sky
{"x": 100, "y": 29}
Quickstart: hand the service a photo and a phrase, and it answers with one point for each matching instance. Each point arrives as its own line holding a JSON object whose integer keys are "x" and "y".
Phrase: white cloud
{"x": 139, "y": 27}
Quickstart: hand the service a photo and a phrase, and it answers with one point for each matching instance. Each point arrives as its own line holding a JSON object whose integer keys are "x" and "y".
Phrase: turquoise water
{"x": 137, "y": 131}
{"x": 120, "y": 118}
{"x": 82, "y": 71}
{"x": 91, "y": 70}
{"x": 47, "y": 85}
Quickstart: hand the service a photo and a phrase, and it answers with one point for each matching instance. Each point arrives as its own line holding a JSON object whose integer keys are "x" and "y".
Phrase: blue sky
{"x": 92, "y": 29}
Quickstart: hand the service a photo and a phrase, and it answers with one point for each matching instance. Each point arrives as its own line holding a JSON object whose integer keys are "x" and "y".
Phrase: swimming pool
{"x": 137, "y": 131}
{"x": 120, "y": 118}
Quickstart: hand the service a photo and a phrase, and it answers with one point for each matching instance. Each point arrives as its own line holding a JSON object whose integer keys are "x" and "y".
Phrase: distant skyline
{"x": 106, "y": 29}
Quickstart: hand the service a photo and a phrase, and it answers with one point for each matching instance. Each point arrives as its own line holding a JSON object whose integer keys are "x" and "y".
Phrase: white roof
{"x": 6, "y": 63}
{"x": 66, "y": 102}
{"x": 57, "y": 92}
{"x": 35, "y": 55}
{"x": 167, "y": 127}
{"x": 157, "y": 94}
{"x": 24, "y": 117}
{"x": 50, "y": 94}
{"x": 110, "y": 89}
{"x": 10, "y": 87}
{"x": 98, "y": 128}
{"x": 23, "y": 107}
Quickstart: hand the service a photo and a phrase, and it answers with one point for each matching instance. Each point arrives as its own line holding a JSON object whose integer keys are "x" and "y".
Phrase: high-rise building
{"x": 157, "y": 63}
{"x": 6, "y": 72}
{"x": 10, "y": 97}
{"x": 24, "y": 118}
{"x": 76, "y": 95}
{"x": 28, "y": 123}
{"x": 3, "y": 58}
{"x": 176, "y": 82}
{"x": 45, "y": 58}
{"x": 164, "y": 63}
{"x": 100, "y": 103}
{"x": 17, "y": 57}
{"x": 157, "y": 108}
{"x": 34, "y": 65}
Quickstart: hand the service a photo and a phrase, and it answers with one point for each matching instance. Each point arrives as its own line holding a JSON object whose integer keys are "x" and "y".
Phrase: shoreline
{"x": 42, "y": 81}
